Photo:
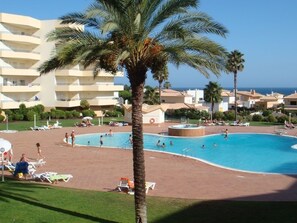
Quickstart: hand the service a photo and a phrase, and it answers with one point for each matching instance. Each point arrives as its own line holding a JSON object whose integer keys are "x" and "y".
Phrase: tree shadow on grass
{"x": 279, "y": 206}
{"x": 234, "y": 212}
{"x": 7, "y": 192}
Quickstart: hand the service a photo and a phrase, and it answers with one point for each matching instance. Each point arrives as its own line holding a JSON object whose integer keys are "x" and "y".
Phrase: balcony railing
{"x": 20, "y": 33}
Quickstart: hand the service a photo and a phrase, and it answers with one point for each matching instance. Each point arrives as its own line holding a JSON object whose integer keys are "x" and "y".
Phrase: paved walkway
{"x": 179, "y": 177}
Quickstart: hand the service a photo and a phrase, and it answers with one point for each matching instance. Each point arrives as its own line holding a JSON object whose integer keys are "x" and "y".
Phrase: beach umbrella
{"x": 5, "y": 146}
{"x": 87, "y": 118}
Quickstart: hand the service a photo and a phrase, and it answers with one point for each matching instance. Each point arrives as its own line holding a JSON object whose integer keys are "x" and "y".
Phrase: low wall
{"x": 186, "y": 131}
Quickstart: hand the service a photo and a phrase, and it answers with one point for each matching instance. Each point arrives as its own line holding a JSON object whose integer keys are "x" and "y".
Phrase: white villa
{"x": 23, "y": 48}
{"x": 290, "y": 102}
{"x": 152, "y": 114}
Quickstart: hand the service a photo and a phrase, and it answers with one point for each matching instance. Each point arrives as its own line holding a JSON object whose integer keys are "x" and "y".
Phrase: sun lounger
{"x": 59, "y": 177}
{"x": 244, "y": 124}
{"x": 149, "y": 186}
{"x": 127, "y": 186}
{"x": 37, "y": 163}
{"x": 56, "y": 126}
{"x": 10, "y": 167}
{"x": 53, "y": 177}
{"x": 43, "y": 176}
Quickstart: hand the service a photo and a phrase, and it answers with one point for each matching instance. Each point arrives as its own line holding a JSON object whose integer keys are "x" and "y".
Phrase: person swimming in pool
{"x": 226, "y": 134}
{"x": 158, "y": 143}
{"x": 101, "y": 140}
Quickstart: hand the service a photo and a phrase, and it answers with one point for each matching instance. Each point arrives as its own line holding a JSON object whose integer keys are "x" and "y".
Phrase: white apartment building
{"x": 23, "y": 48}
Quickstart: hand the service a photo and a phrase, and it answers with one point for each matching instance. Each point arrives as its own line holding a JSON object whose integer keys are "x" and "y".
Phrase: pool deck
{"x": 175, "y": 176}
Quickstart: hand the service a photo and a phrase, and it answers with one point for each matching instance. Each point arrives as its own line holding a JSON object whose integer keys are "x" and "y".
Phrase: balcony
{"x": 86, "y": 73}
{"x": 103, "y": 101}
{"x": 30, "y": 40}
{"x": 74, "y": 73}
{"x": 20, "y": 55}
{"x": 67, "y": 103}
{"x": 19, "y": 88}
{"x": 16, "y": 104}
{"x": 290, "y": 107}
{"x": 22, "y": 21}
{"x": 9, "y": 71}
{"x": 99, "y": 87}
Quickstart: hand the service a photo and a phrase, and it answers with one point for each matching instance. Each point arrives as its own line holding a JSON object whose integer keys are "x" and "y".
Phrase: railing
{"x": 18, "y": 67}
{"x": 20, "y": 100}
{"x": 84, "y": 84}
{"x": 20, "y": 51}
{"x": 67, "y": 99}
{"x": 20, "y": 33}
{"x": 25, "y": 84}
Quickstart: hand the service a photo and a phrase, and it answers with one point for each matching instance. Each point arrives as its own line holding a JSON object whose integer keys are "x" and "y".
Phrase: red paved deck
{"x": 179, "y": 177}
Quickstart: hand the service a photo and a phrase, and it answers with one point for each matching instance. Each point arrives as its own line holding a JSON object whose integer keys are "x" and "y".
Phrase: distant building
{"x": 270, "y": 101}
{"x": 197, "y": 95}
{"x": 225, "y": 104}
{"x": 248, "y": 99}
{"x": 173, "y": 96}
{"x": 151, "y": 114}
{"x": 290, "y": 102}
{"x": 23, "y": 48}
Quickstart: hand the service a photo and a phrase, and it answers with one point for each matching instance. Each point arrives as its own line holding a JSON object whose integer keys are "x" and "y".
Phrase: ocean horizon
{"x": 260, "y": 90}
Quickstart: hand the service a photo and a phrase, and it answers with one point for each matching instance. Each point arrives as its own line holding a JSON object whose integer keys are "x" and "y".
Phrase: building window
{"x": 293, "y": 102}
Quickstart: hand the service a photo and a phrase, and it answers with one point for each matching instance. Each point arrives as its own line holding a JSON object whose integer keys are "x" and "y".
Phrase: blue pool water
{"x": 262, "y": 153}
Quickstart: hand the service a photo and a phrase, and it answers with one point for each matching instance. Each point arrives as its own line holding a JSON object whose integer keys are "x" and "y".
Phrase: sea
{"x": 260, "y": 90}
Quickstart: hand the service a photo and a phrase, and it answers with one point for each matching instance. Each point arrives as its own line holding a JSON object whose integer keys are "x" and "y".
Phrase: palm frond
{"x": 168, "y": 9}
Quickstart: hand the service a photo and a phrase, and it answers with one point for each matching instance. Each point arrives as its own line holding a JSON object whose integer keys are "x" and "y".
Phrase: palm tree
{"x": 132, "y": 35}
{"x": 212, "y": 94}
{"x": 167, "y": 85}
{"x": 151, "y": 96}
{"x": 161, "y": 75}
{"x": 234, "y": 64}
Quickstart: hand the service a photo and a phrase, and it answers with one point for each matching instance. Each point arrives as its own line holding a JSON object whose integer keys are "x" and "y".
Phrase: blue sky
{"x": 265, "y": 31}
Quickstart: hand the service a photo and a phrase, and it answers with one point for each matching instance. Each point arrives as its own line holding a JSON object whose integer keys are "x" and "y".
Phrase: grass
{"x": 25, "y": 125}
{"x": 27, "y": 202}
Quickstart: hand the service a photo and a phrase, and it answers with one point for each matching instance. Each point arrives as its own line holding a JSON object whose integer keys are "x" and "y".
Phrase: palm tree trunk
{"x": 235, "y": 94}
{"x": 160, "y": 84}
{"x": 212, "y": 105}
{"x": 137, "y": 86}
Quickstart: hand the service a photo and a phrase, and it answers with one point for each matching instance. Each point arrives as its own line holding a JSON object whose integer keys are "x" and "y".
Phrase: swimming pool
{"x": 260, "y": 153}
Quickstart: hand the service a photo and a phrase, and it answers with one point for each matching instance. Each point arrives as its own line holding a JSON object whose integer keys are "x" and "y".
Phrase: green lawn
{"x": 25, "y": 125}
{"x": 26, "y": 202}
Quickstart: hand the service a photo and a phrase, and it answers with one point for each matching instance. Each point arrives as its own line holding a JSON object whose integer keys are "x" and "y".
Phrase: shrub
{"x": 229, "y": 115}
{"x": 282, "y": 119}
{"x": 257, "y": 118}
{"x": 9, "y": 114}
{"x": 38, "y": 108}
{"x": 30, "y": 115}
{"x": 90, "y": 113}
{"x": 84, "y": 104}
{"x": 218, "y": 115}
{"x": 75, "y": 114}
{"x": 271, "y": 118}
{"x": 18, "y": 116}
{"x": 69, "y": 114}
{"x": 23, "y": 109}
{"x": 2, "y": 117}
{"x": 58, "y": 114}
{"x": 45, "y": 115}
{"x": 267, "y": 113}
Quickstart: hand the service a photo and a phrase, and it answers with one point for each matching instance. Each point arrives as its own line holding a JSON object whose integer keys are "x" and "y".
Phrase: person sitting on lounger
{"x": 22, "y": 167}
